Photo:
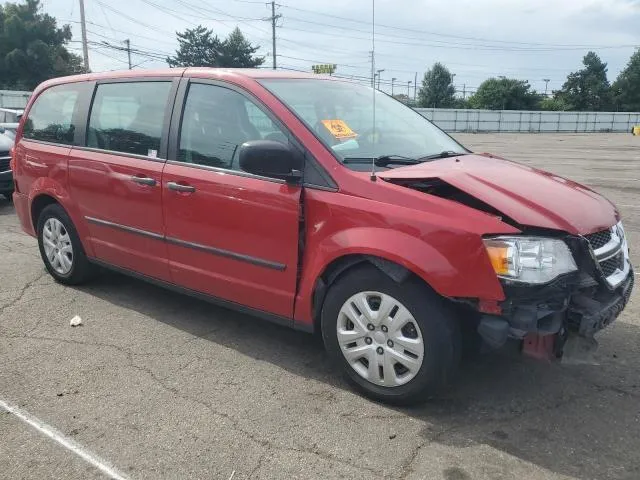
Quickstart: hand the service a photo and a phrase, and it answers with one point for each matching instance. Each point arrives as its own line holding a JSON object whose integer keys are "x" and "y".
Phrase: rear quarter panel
{"x": 42, "y": 169}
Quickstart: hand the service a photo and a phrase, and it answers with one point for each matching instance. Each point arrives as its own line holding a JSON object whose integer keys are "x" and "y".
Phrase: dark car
{"x": 6, "y": 176}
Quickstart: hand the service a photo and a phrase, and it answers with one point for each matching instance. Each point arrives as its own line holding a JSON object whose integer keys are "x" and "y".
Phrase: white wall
{"x": 13, "y": 98}
{"x": 454, "y": 120}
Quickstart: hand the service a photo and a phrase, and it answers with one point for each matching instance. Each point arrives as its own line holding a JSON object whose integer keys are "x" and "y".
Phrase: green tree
{"x": 462, "y": 103}
{"x": 587, "y": 89}
{"x": 626, "y": 88}
{"x": 553, "y": 104}
{"x": 199, "y": 47}
{"x": 238, "y": 52}
{"x": 437, "y": 88}
{"x": 32, "y": 47}
{"x": 504, "y": 94}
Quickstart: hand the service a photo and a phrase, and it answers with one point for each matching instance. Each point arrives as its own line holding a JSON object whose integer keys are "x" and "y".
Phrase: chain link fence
{"x": 13, "y": 98}
{"x": 454, "y": 120}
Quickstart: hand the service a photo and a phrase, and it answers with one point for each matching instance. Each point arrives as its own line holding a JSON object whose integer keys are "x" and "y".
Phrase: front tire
{"x": 60, "y": 247}
{"x": 396, "y": 343}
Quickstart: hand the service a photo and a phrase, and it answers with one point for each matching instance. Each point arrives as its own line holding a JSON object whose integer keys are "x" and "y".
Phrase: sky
{"x": 475, "y": 39}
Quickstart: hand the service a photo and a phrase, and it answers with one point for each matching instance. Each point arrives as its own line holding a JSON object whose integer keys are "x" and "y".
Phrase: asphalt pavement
{"x": 157, "y": 385}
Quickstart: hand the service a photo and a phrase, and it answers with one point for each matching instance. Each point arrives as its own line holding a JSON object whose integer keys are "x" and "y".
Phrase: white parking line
{"x": 65, "y": 441}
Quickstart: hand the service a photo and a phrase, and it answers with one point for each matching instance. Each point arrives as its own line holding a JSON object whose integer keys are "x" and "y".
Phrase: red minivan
{"x": 319, "y": 204}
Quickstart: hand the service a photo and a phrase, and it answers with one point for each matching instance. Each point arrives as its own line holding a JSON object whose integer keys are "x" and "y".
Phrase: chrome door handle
{"x": 144, "y": 181}
{"x": 178, "y": 187}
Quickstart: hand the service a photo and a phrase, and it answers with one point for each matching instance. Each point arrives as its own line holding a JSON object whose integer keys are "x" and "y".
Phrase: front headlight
{"x": 529, "y": 259}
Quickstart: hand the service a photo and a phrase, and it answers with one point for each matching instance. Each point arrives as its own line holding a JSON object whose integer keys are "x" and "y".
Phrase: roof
{"x": 252, "y": 72}
{"x": 221, "y": 73}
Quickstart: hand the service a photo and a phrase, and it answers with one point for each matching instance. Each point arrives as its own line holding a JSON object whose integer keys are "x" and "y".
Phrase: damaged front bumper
{"x": 577, "y": 304}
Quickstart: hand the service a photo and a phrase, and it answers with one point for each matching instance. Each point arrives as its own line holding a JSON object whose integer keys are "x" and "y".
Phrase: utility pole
{"x": 128, "y": 44}
{"x": 415, "y": 87}
{"x": 546, "y": 85}
{"x": 379, "y": 76}
{"x": 408, "y": 90}
{"x": 464, "y": 91}
{"x": 392, "y": 80}
{"x": 274, "y": 17}
{"x": 373, "y": 70}
{"x": 83, "y": 26}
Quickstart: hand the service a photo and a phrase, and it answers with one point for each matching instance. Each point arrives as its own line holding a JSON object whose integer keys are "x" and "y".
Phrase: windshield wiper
{"x": 383, "y": 160}
{"x": 445, "y": 154}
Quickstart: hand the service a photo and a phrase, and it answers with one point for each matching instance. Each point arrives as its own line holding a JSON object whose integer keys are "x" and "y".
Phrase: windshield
{"x": 341, "y": 115}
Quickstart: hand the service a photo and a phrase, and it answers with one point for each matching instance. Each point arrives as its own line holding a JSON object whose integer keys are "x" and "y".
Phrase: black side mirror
{"x": 269, "y": 158}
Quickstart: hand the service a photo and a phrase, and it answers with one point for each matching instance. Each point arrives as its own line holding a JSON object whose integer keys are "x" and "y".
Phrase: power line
{"x": 448, "y": 35}
{"x": 106, "y": 19}
{"x": 172, "y": 12}
{"x": 459, "y": 46}
{"x": 134, "y": 20}
{"x": 109, "y": 38}
{"x": 100, "y": 52}
{"x": 243, "y": 20}
{"x": 122, "y": 31}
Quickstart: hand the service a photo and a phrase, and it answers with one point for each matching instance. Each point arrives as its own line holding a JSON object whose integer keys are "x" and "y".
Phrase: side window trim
{"x": 176, "y": 125}
{"x": 82, "y": 113}
{"x": 162, "y": 152}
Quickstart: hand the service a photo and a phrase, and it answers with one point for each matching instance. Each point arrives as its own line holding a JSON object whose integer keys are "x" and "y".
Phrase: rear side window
{"x": 51, "y": 116}
{"x": 128, "y": 117}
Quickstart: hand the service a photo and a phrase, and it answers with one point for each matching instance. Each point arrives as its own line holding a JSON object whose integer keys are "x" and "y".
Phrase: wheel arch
{"x": 341, "y": 265}
{"x": 38, "y": 204}
{"x": 46, "y": 195}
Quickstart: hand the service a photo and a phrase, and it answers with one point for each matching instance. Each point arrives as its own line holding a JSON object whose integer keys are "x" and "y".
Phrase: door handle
{"x": 178, "y": 187}
{"x": 144, "y": 181}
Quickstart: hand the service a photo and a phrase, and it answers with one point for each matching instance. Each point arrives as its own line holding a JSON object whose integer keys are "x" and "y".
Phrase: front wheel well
{"x": 341, "y": 265}
{"x": 38, "y": 205}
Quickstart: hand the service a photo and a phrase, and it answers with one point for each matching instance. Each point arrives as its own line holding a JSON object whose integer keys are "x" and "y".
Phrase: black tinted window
{"x": 51, "y": 117}
{"x": 128, "y": 117}
{"x": 216, "y": 121}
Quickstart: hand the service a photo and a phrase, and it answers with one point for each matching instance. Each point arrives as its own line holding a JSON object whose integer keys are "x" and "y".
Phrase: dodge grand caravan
{"x": 276, "y": 193}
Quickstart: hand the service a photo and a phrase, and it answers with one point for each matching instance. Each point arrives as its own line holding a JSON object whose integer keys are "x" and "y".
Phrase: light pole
{"x": 379, "y": 72}
{"x": 392, "y": 80}
{"x": 408, "y": 90}
{"x": 546, "y": 85}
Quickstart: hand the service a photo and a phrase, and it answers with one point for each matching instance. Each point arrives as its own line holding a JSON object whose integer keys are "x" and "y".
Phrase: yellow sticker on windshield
{"x": 339, "y": 129}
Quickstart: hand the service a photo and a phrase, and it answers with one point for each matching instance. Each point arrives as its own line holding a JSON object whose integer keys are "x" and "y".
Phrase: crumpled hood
{"x": 528, "y": 196}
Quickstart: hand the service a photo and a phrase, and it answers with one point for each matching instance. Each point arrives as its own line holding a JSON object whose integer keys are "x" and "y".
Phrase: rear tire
{"x": 400, "y": 376}
{"x": 60, "y": 247}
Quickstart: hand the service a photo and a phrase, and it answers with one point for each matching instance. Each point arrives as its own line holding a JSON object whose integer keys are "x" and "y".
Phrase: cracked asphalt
{"x": 164, "y": 386}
